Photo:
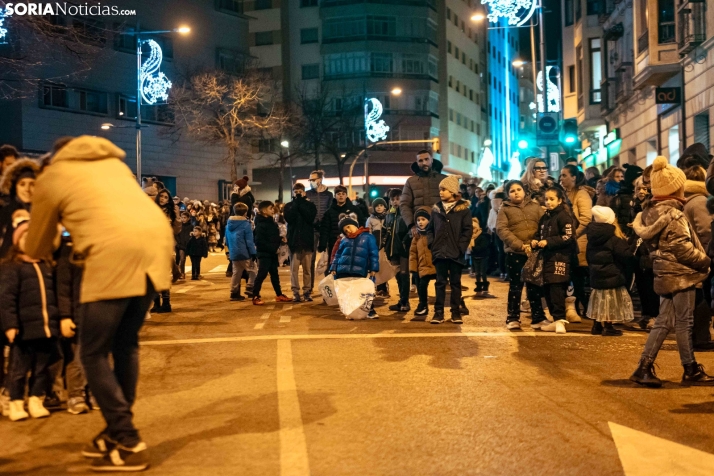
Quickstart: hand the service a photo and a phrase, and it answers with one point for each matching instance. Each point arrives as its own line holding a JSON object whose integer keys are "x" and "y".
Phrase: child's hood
{"x": 599, "y": 233}
{"x": 236, "y": 222}
{"x": 460, "y": 206}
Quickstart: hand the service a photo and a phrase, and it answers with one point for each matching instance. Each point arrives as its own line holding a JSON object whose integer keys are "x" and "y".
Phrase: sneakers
{"x": 308, "y": 298}
{"x": 52, "y": 401}
{"x": 558, "y": 326}
{"x": 237, "y": 297}
{"x": 405, "y": 307}
{"x": 92, "y": 402}
{"x": 382, "y": 294}
{"x": 296, "y": 299}
{"x": 571, "y": 314}
{"x": 397, "y": 307}
{"x": 257, "y": 301}
{"x": 121, "y": 458}
{"x": 77, "y": 406}
{"x": 36, "y": 408}
{"x": 17, "y": 410}
{"x": 438, "y": 317}
{"x": 99, "y": 446}
{"x": 282, "y": 298}
{"x": 372, "y": 315}
{"x": 463, "y": 310}
{"x": 421, "y": 310}
{"x": 456, "y": 318}
{"x": 512, "y": 325}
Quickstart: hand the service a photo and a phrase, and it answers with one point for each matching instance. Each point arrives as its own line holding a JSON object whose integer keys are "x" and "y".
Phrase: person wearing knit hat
{"x": 680, "y": 265}
{"x": 348, "y": 220}
{"x": 603, "y": 214}
{"x": 243, "y": 194}
{"x": 375, "y": 224}
{"x": 450, "y": 183}
{"x": 422, "y": 212}
{"x": 421, "y": 261}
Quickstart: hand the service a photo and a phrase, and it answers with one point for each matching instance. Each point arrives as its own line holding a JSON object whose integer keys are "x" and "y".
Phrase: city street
{"x": 230, "y": 388}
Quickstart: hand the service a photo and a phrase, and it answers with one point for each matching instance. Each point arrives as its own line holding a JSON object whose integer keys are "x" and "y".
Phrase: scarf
{"x": 359, "y": 231}
{"x": 448, "y": 206}
{"x": 668, "y": 197}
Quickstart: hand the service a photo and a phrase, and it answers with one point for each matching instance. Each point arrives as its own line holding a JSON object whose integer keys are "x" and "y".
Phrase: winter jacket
{"x": 557, "y": 228}
{"x": 68, "y": 281}
{"x": 184, "y": 235}
{"x": 396, "y": 236}
{"x": 678, "y": 259}
{"x": 245, "y": 196}
{"x": 300, "y": 215}
{"x": 517, "y": 225}
{"x": 123, "y": 236}
{"x": 197, "y": 247}
{"x": 356, "y": 256}
{"x": 375, "y": 224}
{"x": 582, "y": 204}
{"x": 27, "y": 299}
{"x": 607, "y": 256}
{"x": 239, "y": 239}
{"x": 329, "y": 226}
{"x": 696, "y": 210}
{"x": 450, "y": 232}
{"x": 322, "y": 198}
{"x": 421, "y": 189}
{"x": 266, "y": 236}
{"x": 420, "y": 259}
{"x": 6, "y": 228}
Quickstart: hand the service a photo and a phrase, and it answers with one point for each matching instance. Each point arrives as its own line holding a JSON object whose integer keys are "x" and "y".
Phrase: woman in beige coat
{"x": 581, "y": 200}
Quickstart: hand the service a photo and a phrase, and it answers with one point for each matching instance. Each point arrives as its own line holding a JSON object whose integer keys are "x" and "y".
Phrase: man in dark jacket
{"x": 422, "y": 189}
{"x": 322, "y": 198}
{"x": 267, "y": 241}
{"x": 329, "y": 227}
{"x": 300, "y": 215}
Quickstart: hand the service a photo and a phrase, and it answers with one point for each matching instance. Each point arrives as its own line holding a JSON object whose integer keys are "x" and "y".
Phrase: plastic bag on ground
{"x": 386, "y": 270}
{"x": 321, "y": 268}
{"x": 355, "y": 296}
{"x": 327, "y": 289}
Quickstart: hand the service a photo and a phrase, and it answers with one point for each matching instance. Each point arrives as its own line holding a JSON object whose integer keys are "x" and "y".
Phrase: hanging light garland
{"x": 518, "y": 12}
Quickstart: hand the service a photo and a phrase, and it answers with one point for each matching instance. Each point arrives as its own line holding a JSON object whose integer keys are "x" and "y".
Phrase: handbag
{"x": 533, "y": 269}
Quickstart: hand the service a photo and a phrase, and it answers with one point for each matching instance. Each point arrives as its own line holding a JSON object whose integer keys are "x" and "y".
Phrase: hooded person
{"x": 126, "y": 249}
{"x": 17, "y": 184}
{"x": 695, "y": 154}
{"x": 679, "y": 265}
{"x": 242, "y": 194}
{"x": 621, "y": 203}
{"x": 422, "y": 188}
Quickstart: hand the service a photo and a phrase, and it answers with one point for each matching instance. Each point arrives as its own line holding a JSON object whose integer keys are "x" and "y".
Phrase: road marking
{"x": 284, "y": 319}
{"x": 407, "y": 335}
{"x": 222, "y": 268}
{"x": 265, "y": 315}
{"x": 288, "y": 308}
{"x": 293, "y": 448}
{"x": 642, "y": 454}
{"x": 184, "y": 290}
{"x": 259, "y": 326}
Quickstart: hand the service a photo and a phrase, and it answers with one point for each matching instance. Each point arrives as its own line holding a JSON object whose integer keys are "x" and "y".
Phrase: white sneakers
{"x": 17, "y": 410}
{"x": 513, "y": 325}
{"x": 36, "y": 408}
{"x": 570, "y": 313}
{"x": 558, "y": 327}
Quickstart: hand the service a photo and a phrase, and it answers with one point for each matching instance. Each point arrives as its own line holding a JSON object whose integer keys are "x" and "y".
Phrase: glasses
{"x": 541, "y": 169}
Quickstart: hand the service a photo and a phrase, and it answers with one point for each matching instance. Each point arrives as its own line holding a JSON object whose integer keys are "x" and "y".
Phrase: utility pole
{"x": 543, "y": 67}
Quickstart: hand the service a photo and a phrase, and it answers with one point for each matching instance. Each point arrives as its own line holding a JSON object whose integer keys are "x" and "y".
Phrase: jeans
{"x": 423, "y": 287}
{"x": 195, "y": 266}
{"x": 267, "y": 265}
{"x": 238, "y": 267}
{"x": 675, "y": 311}
{"x": 316, "y": 238}
{"x": 515, "y": 263}
{"x": 304, "y": 259}
{"x": 68, "y": 369}
{"x": 106, "y": 327}
{"x": 555, "y": 297}
{"x": 181, "y": 258}
{"x": 35, "y": 356}
{"x": 403, "y": 278}
{"x": 451, "y": 270}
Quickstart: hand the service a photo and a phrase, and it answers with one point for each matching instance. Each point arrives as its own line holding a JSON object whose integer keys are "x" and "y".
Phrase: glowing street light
{"x": 184, "y": 30}
{"x": 285, "y": 144}
{"x": 570, "y": 139}
{"x": 106, "y": 126}
{"x": 522, "y": 144}
{"x": 518, "y": 63}
{"x": 487, "y": 143}
{"x": 478, "y": 17}
{"x": 397, "y": 91}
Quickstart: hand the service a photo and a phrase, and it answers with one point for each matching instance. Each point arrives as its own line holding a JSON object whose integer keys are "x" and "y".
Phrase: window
{"x": 381, "y": 25}
{"x": 413, "y": 64}
{"x": 263, "y": 4}
{"x": 701, "y": 129}
{"x": 308, "y": 3}
{"x": 54, "y": 95}
{"x": 267, "y": 145}
{"x": 125, "y": 43}
{"x": 263, "y": 38}
{"x": 456, "y": 52}
{"x": 594, "y": 7}
{"x": 126, "y": 107}
{"x": 89, "y": 31}
{"x": 448, "y": 47}
{"x": 451, "y": 81}
{"x": 77, "y": 99}
{"x": 665, "y": 31}
{"x": 448, "y": 13}
{"x": 579, "y": 66}
{"x": 578, "y": 10}
{"x": 311, "y": 71}
{"x": 381, "y": 63}
{"x": 595, "y": 71}
{"x": 231, "y": 62}
{"x": 346, "y": 64}
{"x": 571, "y": 78}
{"x": 568, "y": 12}
{"x": 463, "y": 58}
{"x": 233, "y": 7}
{"x": 92, "y": 101}
{"x": 308, "y": 35}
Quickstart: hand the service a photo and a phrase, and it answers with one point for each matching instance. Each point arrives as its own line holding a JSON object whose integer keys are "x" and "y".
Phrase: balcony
{"x": 608, "y": 92}
{"x": 691, "y": 30}
{"x": 643, "y": 42}
{"x": 606, "y": 9}
{"x": 623, "y": 83}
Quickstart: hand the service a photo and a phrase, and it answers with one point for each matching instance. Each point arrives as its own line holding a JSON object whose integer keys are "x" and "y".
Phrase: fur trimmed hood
{"x": 461, "y": 205}
{"x": 12, "y": 173}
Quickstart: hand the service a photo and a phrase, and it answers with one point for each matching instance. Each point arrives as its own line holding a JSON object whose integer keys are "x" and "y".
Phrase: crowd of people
{"x": 77, "y": 279}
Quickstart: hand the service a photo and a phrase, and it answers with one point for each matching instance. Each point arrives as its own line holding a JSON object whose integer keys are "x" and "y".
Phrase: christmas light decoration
{"x": 484, "y": 166}
{"x": 154, "y": 87}
{"x": 518, "y": 12}
{"x": 3, "y": 31}
{"x": 516, "y": 168}
{"x": 376, "y": 128}
{"x": 553, "y": 92}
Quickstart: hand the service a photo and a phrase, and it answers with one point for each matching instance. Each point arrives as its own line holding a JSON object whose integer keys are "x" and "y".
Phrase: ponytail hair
{"x": 579, "y": 176}
{"x": 560, "y": 193}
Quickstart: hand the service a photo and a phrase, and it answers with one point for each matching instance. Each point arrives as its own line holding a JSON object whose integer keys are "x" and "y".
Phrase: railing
{"x": 666, "y": 33}
{"x": 643, "y": 42}
{"x": 608, "y": 91}
{"x": 623, "y": 83}
{"x": 691, "y": 31}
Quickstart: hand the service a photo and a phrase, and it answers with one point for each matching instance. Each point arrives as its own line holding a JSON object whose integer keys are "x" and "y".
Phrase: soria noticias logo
{"x": 57, "y": 8}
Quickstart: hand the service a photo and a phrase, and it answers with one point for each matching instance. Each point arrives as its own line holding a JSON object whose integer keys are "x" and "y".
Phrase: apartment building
{"x": 80, "y": 103}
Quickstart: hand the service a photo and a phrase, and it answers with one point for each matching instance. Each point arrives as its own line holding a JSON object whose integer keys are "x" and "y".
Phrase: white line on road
{"x": 259, "y": 326}
{"x": 265, "y": 315}
{"x": 284, "y": 319}
{"x": 288, "y": 308}
{"x": 407, "y": 335}
{"x": 222, "y": 268}
{"x": 184, "y": 290}
{"x": 293, "y": 448}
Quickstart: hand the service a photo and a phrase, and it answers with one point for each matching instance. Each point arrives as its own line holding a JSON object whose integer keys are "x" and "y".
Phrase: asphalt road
{"x": 234, "y": 389}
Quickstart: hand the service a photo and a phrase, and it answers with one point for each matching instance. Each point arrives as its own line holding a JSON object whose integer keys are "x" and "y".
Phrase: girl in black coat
{"x": 556, "y": 237}
{"x": 607, "y": 255}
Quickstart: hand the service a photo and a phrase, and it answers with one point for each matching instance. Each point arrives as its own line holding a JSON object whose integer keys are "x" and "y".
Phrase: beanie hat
{"x": 378, "y": 201}
{"x": 422, "y": 212}
{"x": 450, "y": 183}
{"x": 242, "y": 183}
{"x": 631, "y": 173}
{"x": 348, "y": 220}
{"x": 19, "y": 231}
{"x": 603, "y": 214}
{"x": 666, "y": 179}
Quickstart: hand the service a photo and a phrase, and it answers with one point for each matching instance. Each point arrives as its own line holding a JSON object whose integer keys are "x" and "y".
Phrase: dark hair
{"x": 170, "y": 208}
{"x": 264, "y": 205}
{"x": 319, "y": 173}
{"x": 424, "y": 151}
{"x": 577, "y": 173}
{"x": 184, "y": 213}
{"x": 695, "y": 173}
{"x": 560, "y": 193}
{"x": 510, "y": 183}
{"x": 240, "y": 209}
{"x": 8, "y": 150}
{"x": 394, "y": 192}
{"x": 197, "y": 228}
{"x": 340, "y": 189}
{"x": 298, "y": 186}
{"x": 571, "y": 159}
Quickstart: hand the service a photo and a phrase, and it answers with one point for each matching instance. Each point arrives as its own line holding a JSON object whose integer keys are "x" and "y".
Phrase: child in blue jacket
{"x": 241, "y": 248}
{"x": 357, "y": 255}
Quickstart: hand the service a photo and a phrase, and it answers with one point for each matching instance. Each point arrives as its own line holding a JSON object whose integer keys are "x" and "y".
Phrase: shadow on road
{"x": 446, "y": 353}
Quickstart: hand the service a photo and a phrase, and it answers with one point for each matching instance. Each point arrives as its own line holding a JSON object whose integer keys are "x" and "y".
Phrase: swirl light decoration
{"x": 3, "y": 30}
{"x": 553, "y": 92}
{"x": 154, "y": 84}
{"x": 518, "y": 12}
{"x": 376, "y": 128}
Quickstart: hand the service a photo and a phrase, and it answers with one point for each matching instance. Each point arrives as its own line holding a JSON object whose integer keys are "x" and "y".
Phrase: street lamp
{"x": 397, "y": 91}
{"x": 487, "y": 143}
{"x": 286, "y": 145}
{"x": 522, "y": 144}
{"x": 478, "y": 17}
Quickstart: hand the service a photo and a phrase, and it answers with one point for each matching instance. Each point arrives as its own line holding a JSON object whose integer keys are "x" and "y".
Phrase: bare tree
{"x": 342, "y": 140}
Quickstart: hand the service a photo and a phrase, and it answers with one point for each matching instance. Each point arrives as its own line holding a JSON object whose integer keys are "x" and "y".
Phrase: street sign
{"x": 668, "y": 95}
{"x": 554, "y": 162}
{"x": 547, "y": 128}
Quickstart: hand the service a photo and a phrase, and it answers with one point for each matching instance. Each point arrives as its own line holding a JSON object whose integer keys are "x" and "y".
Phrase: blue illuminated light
{"x": 518, "y": 12}
{"x": 376, "y": 128}
{"x": 154, "y": 84}
{"x": 3, "y": 29}
{"x": 570, "y": 139}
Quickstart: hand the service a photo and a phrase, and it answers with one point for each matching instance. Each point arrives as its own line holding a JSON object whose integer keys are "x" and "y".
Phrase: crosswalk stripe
{"x": 284, "y": 319}
{"x": 259, "y": 326}
{"x": 265, "y": 315}
{"x": 184, "y": 290}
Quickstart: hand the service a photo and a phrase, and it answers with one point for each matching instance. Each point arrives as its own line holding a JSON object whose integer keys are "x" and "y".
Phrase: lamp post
{"x": 286, "y": 145}
{"x": 156, "y": 83}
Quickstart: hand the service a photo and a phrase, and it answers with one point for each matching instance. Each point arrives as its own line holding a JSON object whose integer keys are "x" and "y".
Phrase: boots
{"x": 571, "y": 314}
{"x": 479, "y": 288}
{"x": 157, "y": 305}
{"x": 166, "y": 306}
{"x": 36, "y": 408}
{"x": 17, "y": 410}
{"x": 694, "y": 375}
{"x": 645, "y": 374}
{"x": 484, "y": 290}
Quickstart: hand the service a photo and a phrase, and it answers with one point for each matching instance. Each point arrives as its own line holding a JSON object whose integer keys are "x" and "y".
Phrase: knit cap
{"x": 603, "y": 214}
{"x": 450, "y": 183}
{"x": 347, "y": 221}
{"x": 422, "y": 212}
{"x": 379, "y": 201}
{"x": 19, "y": 231}
{"x": 665, "y": 179}
{"x": 242, "y": 183}
{"x": 632, "y": 172}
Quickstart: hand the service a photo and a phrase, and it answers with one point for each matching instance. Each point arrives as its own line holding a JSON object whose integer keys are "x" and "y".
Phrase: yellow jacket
{"x": 120, "y": 232}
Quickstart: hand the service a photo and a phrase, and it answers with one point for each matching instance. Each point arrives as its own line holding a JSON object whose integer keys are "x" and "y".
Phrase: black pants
{"x": 423, "y": 288}
{"x": 555, "y": 297}
{"x": 502, "y": 264}
{"x": 515, "y": 263}
{"x": 267, "y": 265}
{"x": 649, "y": 300}
{"x": 403, "y": 278}
{"x": 35, "y": 356}
{"x": 448, "y": 270}
{"x": 106, "y": 327}
{"x": 581, "y": 280}
{"x": 196, "y": 266}
{"x": 480, "y": 267}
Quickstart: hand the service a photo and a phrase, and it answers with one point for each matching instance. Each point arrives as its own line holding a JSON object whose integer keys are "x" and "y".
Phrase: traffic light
{"x": 570, "y": 131}
{"x": 436, "y": 145}
{"x": 522, "y": 144}
{"x": 374, "y": 193}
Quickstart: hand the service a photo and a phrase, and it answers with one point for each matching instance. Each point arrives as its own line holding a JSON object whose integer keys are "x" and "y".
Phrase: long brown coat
{"x": 582, "y": 204}
{"x": 420, "y": 256}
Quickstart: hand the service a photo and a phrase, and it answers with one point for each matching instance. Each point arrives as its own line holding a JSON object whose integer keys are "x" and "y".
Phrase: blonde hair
{"x": 528, "y": 177}
{"x": 618, "y": 231}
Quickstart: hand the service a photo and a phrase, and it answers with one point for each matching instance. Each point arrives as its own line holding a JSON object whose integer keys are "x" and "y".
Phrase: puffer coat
{"x": 696, "y": 210}
{"x": 356, "y": 256}
{"x": 421, "y": 189}
{"x": 395, "y": 236}
{"x": 607, "y": 256}
{"x": 450, "y": 233}
{"x": 678, "y": 258}
{"x": 266, "y": 236}
{"x": 556, "y": 227}
{"x": 239, "y": 238}
{"x": 329, "y": 225}
{"x": 27, "y": 300}
{"x": 517, "y": 225}
{"x": 420, "y": 259}
{"x": 582, "y": 203}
